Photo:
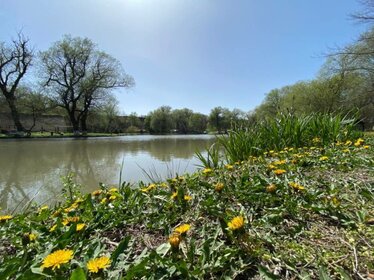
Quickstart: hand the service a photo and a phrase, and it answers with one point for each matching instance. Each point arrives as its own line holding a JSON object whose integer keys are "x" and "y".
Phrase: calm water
{"x": 31, "y": 169}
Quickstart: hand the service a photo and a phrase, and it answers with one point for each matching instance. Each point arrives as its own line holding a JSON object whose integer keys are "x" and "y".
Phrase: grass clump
{"x": 285, "y": 130}
{"x": 290, "y": 213}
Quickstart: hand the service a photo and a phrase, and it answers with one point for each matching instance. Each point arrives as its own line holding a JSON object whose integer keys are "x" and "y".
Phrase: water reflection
{"x": 33, "y": 168}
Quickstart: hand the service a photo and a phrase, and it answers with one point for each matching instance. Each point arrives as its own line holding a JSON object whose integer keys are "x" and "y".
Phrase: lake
{"x": 31, "y": 169}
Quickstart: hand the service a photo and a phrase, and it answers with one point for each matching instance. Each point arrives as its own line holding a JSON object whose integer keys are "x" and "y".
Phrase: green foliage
{"x": 315, "y": 220}
{"x": 286, "y": 130}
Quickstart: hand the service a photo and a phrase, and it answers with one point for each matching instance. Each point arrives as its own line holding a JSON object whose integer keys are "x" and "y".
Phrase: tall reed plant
{"x": 285, "y": 130}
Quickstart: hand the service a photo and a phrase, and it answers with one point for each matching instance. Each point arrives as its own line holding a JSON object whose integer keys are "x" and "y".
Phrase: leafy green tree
{"x": 160, "y": 120}
{"x": 181, "y": 118}
{"x": 215, "y": 119}
{"x": 79, "y": 77}
{"x": 198, "y": 123}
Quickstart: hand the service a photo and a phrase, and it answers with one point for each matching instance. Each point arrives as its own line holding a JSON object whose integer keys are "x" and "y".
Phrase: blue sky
{"x": 197, "y": 54}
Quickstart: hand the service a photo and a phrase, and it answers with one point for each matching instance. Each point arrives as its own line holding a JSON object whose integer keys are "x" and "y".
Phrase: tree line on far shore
{"x": 76, "y": 80}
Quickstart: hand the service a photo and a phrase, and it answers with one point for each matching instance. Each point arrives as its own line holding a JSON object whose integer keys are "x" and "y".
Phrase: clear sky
{"x": 194, "y": 53}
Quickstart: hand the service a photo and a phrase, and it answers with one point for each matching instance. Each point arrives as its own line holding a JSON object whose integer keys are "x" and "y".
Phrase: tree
{"x": 33, "y": 103}
{"x": 198, "y": 123}
{"x": 215, "y": 119}
{"x": 181, "y": 119}
{"x": 15, "y": 60}
{"x": 160, "y": 120}
{"x": 79, "y": 77}
{"x": 367, "y": 14}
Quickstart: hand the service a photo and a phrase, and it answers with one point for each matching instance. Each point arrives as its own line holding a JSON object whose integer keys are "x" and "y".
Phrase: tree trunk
{"x": 74, "y": 122}
{"x": 83, "y": 121}
{"x": 13, "y": 108}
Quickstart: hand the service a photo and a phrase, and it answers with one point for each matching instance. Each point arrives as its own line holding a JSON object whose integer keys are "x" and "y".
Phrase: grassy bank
{"x": 298, "y": 213}
{"x": 56, "y": 135}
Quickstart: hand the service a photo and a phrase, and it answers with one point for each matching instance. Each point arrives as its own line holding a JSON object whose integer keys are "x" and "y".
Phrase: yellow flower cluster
{"x": 182, "y": 228}
{"x": 149, "y": 188}
{"x": 57, "y": 258}
{"x": 69, "y": 220}
{"x": 176, "y": 237}
{"x": 80, "y": 227}
{"x": 324, "y": 158}
{"x": 207, "y": 171}
{"x": 218, "y": 187}
{"x": 5, "y": 218}
{"x": 296, "y": 186}
{"x": 187, "y": 197}
{"x": 279, "y": 171}
{"x": 174, "y": 195}
{"x": 97, "y": 264}
{"x": 229, "y": 167}
{"x": 32, "y": 236}
{"x": 359, "y": 142}
{"x": 271, "y": 188}
{"x": 236, "y": 223}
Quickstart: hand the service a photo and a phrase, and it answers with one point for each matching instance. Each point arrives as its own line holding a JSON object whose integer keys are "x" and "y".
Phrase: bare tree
{"x": 367, "y": 14}
{"x": 79, "y": 76}
{"x": 15, "y": 59}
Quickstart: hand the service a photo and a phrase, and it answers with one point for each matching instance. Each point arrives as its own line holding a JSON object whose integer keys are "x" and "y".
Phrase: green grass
{"x": 314, "y": 221}
{"x": 286, "y": 131}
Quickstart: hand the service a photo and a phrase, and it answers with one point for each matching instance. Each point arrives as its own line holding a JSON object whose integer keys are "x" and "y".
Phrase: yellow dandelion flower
{"x": 345, "y": 151}
{"x": 174, "y": 195}
{"x": 163, "y": 185}
{"x": 112, "y": 197}
{"x": 218, "y": 187}
{"x": 32, "y": 236}
{"x": 5, "y": 218}
{"x": 366, "y": 147}
{"x": 57, "y": 258}
{"x": 279, "y": 171}
{"x": 207, "y": 171}
{"x": 236, "y": 223}
{"x": 359, "y": 142}
{"x": 187, "y": 197}
{"x": 71, "y": 208}
{"x": 271, "y": 188}
{"x": 78, "y": 200}
{"x": 56, "y": 213}
{"x": 69, "y": 220}
{"x": 229, "y": 167}
{"x": 104, "y": 200}
{"x": 80, "y": 227}
{"x": 174, "y": 240}
{"x": 272, "y": 166}
{"x": 113, "y": 190}
{"x": 279, "y": 162}
{"x": 348, "y": 143}
{"x": 296, "y": 186}
{"x": 96, "y": 193}
{"x": 182, "y": 228}
{"x": 94, "y": 265}
{"x": 323, "y": 158}
{"x": 53, "y": 228}
{"x": 43, "y": 208}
